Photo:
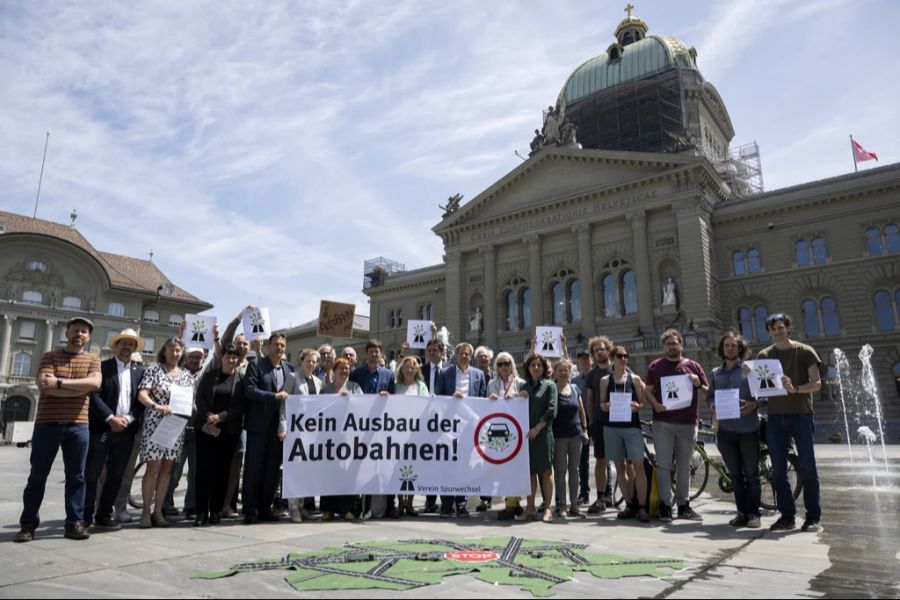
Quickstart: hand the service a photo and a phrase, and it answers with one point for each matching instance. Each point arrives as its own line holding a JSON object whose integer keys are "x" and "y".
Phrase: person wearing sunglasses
{"x": 220, "y": 410}
{"x": 624, "y": 442}
{"x": 506, "y": 385}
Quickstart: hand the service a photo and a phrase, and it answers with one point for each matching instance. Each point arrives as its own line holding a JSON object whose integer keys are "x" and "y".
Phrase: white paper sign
{"x": 765, "y": 378}
{"x": 256, "y": 323}
{"x": 620, "y": 407}
{"x": 418, "y": 333}
{"x": 371, "y": 444}
{"x": 548, "y": 342}
{"x": 199, "y": 331}
{"x": 181, "y": 399}
{"x": 168, "y": 431}
{"x": 728, "y": 404}
{"x": 676, "y": 391}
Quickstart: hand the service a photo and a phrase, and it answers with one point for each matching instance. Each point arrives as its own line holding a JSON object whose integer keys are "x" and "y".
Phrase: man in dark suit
{"x": 114, "y": 417}
{"x": 460, "y": 380}
{"x": 268, "y": 383}
{"x": 431, "y": 371}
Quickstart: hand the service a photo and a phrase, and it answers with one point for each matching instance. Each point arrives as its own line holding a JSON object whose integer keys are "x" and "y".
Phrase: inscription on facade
{"x": 564, "y": 218}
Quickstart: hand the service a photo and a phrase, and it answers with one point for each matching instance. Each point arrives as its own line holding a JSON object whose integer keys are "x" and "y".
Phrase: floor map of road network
{"x": 533, "y": 565}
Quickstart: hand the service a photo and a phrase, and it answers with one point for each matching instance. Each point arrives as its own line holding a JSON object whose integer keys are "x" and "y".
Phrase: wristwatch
{"x": 59, "y": 383}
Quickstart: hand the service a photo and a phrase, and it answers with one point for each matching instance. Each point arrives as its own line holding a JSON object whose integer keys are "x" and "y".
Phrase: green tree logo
{"x": 408, "y": 477}
{"x": 766, "y": 377}
{"x": 672, "y": 390}
{"x": 199, "y": 329}
{"x": 258, "y": 322}
{"x": 548, "y": 340}
{"x": 419, "y": 333}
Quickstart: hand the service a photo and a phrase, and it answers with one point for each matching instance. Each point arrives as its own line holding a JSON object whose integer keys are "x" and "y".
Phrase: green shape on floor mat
{"x": 536, "y": 566}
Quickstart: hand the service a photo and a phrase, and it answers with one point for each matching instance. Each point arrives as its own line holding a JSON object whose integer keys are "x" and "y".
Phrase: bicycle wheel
{"x": 135, "y": 496}
{"x": 768, "y": 499}
{"x": 699, "y": 475}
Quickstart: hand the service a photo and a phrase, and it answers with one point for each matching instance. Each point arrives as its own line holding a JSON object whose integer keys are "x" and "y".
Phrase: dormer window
{"x": 36, "y": 266}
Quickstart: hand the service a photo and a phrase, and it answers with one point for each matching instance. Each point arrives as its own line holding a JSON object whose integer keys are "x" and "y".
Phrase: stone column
{"x": 535, "y": 281}
{"x": 453, "y": 294}
{"x": 695, "y": 290}
{"x": 48, "y": 336}
{"x": 7, "y": 324}
{"x": 638, "y": 220}
{"x": 586, "y": 277}
{"x": 490, "y": 295}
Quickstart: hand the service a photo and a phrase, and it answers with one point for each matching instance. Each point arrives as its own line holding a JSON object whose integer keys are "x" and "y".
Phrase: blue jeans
{"x": 740, "y": 451}
{"x": 779, "y": 431}
{"x": 46, "y": 441}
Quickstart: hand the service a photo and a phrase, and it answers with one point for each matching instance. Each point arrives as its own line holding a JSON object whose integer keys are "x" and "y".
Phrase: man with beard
{"x": 674, "y": 431}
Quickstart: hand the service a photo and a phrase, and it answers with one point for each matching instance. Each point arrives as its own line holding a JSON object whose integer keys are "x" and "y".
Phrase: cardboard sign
{"x": 335, "y": 319}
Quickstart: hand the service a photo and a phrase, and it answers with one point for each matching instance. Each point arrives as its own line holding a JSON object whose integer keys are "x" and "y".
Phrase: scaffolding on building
{"x": 742, "y": 170}
{"x": 377, "y": 269}
{"x": 643, "y": 115}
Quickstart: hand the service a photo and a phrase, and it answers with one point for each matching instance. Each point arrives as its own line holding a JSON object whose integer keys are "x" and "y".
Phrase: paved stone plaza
{"x": 856, "y": 556}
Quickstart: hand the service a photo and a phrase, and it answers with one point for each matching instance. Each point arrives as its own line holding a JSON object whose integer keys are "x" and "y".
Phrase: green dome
{"x": 637, "y": 60}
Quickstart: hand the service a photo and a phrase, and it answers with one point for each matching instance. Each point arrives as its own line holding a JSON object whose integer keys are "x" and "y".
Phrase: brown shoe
{"x": 78, "y": 531}
{"x": 26, "y": 534}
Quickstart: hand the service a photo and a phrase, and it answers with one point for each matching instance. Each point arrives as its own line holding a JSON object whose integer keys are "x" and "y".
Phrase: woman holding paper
{"x": 622, "y": 395}
{"x": 541, "y": 394}
{"x": 738, "y": 435}
{"x": 340, "y": 505}
{"x": 569, "y": 434}
{"x": 163, "y": 384}
{"x": 220, "y": 409}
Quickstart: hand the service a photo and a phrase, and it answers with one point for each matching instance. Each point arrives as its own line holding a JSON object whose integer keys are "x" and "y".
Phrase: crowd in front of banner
{"x": 221, "y": 412}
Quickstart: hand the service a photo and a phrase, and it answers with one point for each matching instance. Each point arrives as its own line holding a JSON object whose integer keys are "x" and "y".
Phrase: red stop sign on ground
{"x": 472, "y": 555}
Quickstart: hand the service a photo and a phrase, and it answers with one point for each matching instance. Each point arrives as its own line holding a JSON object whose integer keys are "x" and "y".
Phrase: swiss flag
{"x": 860, "y": 153}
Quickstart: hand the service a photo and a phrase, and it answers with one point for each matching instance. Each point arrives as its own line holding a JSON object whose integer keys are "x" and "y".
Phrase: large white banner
{"x": 439, "y": 445}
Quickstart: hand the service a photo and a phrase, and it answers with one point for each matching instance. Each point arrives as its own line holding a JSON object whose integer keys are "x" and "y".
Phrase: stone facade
{"x": 50, "y": 273}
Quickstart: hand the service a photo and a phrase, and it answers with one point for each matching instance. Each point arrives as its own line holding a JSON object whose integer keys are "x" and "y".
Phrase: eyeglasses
{"x": 775, "y": 317}
{"x": 504, "y": 363}
{"x": 623, "y": 356}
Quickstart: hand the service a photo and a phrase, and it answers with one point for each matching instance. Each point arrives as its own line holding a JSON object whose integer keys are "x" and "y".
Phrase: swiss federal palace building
{"x": 634, "y": 214}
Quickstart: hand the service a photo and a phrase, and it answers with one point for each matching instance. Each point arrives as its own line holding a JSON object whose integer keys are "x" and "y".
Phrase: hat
{"x": 81, "y": 320}
{"x": 127, "y": 334}
{"x": 194, "y": 349}
{"x": 582, "y": 354}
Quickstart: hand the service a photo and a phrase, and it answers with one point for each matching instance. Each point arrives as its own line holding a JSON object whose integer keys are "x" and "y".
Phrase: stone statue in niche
{"x": 669, "y": 293}
{"x": 475, "y": 320}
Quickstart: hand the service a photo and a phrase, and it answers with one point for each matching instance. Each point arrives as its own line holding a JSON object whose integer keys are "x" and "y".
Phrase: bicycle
{"x": 701, "y": 462}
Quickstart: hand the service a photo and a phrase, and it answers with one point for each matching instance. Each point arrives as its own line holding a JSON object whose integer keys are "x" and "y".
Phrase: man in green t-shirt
{"x": 791, "y": 416}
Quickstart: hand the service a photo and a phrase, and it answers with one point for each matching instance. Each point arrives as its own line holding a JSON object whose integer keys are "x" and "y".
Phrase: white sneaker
{"x": 296, "y": 517}
{"x": 124, "y": 516}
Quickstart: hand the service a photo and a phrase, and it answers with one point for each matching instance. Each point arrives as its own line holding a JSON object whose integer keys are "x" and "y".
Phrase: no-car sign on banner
{"x": 372, "y": 444}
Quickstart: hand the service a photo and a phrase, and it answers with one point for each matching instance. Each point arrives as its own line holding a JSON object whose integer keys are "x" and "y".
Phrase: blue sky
{"x": 264, "y": 150}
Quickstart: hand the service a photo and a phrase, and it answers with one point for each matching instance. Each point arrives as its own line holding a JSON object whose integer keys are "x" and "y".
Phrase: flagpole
{"x": 853, "y": 151}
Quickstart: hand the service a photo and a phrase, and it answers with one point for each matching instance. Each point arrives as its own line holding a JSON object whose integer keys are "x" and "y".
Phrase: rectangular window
{"x": 26, "y": 330}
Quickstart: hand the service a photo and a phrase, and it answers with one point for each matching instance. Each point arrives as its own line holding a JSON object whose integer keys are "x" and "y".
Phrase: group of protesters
{"x": 104, "y": 416}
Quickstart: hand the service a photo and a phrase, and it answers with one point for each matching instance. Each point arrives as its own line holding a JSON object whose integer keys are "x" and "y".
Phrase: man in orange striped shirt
{"x": 66, "y": 379}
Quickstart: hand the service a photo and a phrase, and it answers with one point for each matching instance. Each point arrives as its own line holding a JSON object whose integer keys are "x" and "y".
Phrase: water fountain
{"x": 842, "y": 366}
{"x": 870, "y": 386}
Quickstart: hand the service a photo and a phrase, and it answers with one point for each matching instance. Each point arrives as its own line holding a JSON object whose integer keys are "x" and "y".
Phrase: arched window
{"x": 629, "y": 292}
{"x": 885, "y": 319}
{"x": 821, "y": 318}
{"x": 32, "y": 297}
{"x": 558, "y": 303}
{"x": 115, "y": 309}
{"x": 737, "y": 259}
{"x": 71, "y": 303}
{"x": 575, "y": 301}
{"x": 801, "y": 253}
{"x": 754, "y": 264}
{"x": 37, "y": 266}
{"x": 610, "y": 296}
{"x": 151, "y": 316}
{"x": 874, "y": 246}
{"x": 149, "y": 345}
{"x": 819, "y": 251}
{"x": 760, "y": 314}
{"x": 810, "y": 312}
{"x": 425, "y": 312}
{"x": 892, "y": 237}
{"x": 511, "y": 303}
{"x": 897, "y": 376}
{"x": 22, "y": 365}
{"x": 525, "y": 303}
{"x": 399, "y": 317}
{"x": 745, "y": 319}
{"x": 831, "y": 323}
